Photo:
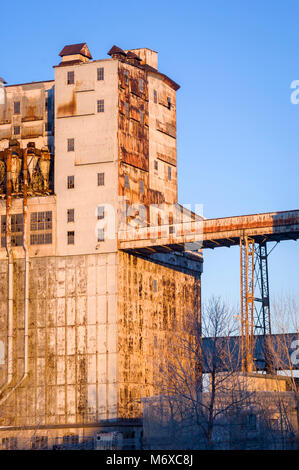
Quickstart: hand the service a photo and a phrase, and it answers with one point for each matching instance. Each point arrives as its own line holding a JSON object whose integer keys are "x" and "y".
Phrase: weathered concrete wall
{"x": 95, "y": 151}
{"x": 152, "y": 304}
{"x": 36, "y": 116}
{"x": 72, "y": 341}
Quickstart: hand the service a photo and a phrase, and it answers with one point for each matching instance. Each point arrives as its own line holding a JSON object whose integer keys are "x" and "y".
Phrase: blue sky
{"x": 238, "y": 132}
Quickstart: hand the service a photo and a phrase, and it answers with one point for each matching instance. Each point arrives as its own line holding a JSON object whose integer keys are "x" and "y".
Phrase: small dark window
{"x": 169, "y": 173}
{"x": 70, "y": 182}
{"x": 141, "y": 187}
{"x": 100, "y": 106}
{"x": 16, "y": 130}
{"x": 70, "y": 441}
{"x": 126, "y": 75}
{"x": 71, "y": 215}
{"x": 39, "y": 442}
{"x": 127, "y": 109}
{"x": 101, "y": 179}
{"x": 155, "y": 285}
{"x": 70, "y": 145}
{"x": 71, "y": 78}
{"x": 100, "y": 73}
{"x": 48, "y": 102}
{"x": 155, "y": 96}
{"x": 101, "y": 212}
{"x": 252, "y": 422}
{"x": 9, "y": 443}
{"x": 156, "y": 165}
{"x": 141, "y": 85}
{"x": 141, "y": 116}
{"x": 71, "y": 238}
{"x": 101, "y": 235}
{"x": 17, "y": 107}
{"x": 168, "y": 103}
{"x": 127, "y": 182}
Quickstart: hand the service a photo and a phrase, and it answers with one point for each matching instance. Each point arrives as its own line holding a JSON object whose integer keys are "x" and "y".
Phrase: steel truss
{"x": 255, "y": 301}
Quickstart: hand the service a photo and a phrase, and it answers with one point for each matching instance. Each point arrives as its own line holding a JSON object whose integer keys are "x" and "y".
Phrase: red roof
{"x": 132, "y": 55}
{"x": 73, "y": 49}
{"x": 116, "y": 50}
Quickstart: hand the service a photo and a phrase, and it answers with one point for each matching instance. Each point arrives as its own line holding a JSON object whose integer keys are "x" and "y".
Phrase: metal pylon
{"x": 255, "y": 301}
{"x": 247, "y": 301}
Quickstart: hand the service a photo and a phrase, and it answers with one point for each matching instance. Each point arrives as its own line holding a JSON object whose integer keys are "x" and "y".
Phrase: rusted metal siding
{"x": 153, "y": 303}
{"x": 223, "y": 232}
{"x": 132, "y": 128}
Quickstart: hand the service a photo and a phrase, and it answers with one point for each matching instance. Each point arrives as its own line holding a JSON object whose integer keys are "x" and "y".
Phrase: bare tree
{"x": 194, "y": 413}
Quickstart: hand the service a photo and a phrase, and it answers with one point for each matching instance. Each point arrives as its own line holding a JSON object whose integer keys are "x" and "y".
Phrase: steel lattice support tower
{"x": 247, "y": 301}
{"x": 255, "y": 300}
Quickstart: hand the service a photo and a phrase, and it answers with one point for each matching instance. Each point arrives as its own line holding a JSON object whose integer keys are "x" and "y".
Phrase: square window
{"x": 71, "y": 78}
{"x": 70, "y": 145}
{"x": 100, "y": 212}
{"x": 169, "y": 173}
{"x": 100, "y": 106}
{"x": 156, "y": 165}
{"x": 70, "y": 182}
{"x": 71, "y": 215}
{"x": 17, "y": 130}
{"x": 101, "y": 235}
{"x": 155, "y": 96}
{"x": 71, "y": 238}
{"x": 127, "y": 182}
{"x": 17, "y": 107}
{"x": 101, "y": 179}
{"x": 100, "y": 73}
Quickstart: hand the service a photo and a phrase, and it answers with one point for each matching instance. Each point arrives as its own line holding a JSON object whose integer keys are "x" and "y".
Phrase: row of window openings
{"x": 156, "y": 99}
{"x": 71, "y": 236}
{"x": 17, "y": 105}
{"x": 40, "y": 222}
{"x": 71, "y": 180}
{"x": 71, "y": 218}
{"x": 101, "y": 180}
{"x": 156, "y": 166}
{"x": 71, "y": 76}
{"x": 127, "y": 112}
{"x": 100, "y": 103}
{"x": 38, "y": 442}
{"x": 100, "y": 76}
{"x": 141, "y": 182}
{"x": 140, "y": 81}
{"x": 17, "y": 129}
